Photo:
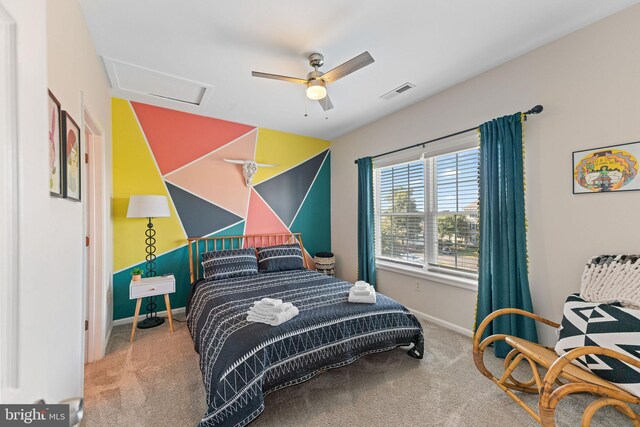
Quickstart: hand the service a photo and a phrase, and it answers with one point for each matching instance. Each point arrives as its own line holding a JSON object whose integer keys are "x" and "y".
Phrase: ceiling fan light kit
{"x": 316, "y": 89}
{"x": 316, "y": 80}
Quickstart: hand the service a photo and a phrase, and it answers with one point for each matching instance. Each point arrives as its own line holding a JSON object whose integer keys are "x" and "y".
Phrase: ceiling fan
{"x": 316, "y": 81}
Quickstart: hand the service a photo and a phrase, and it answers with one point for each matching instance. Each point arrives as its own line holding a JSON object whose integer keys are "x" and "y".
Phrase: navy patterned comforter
{"x": 241, "y": 361}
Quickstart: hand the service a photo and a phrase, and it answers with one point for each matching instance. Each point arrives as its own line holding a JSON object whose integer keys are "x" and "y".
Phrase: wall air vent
{"x": 397, "y": 91}
{"x": 132, "y": 79}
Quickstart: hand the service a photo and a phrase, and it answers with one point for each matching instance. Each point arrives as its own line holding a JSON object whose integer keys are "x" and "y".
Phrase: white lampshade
{"x": 316, "y": 89}
{"x": 148, "y": 206}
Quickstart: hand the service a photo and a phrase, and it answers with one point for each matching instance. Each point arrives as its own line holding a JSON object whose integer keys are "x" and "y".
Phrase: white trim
{"x": 448, "y": 325}
{"x": 459, "y": 282}
{"x": 127, "y": 320}
{"x": 95, "y": 204}
{"x": 449, "y": 146}
{"x": 106, "y": 340}
{"x": 9, "y": 213}
{"x": 460, "y": 142}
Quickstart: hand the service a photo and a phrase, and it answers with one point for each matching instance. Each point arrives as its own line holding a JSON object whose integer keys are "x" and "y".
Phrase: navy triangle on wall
{"x": 199, "y": 217}
{"x": 284, "y": 193}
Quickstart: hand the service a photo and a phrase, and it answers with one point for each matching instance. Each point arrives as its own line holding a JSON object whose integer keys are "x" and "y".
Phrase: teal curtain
{"x": 366, "y": 248}
{"x": 503, "y": 271}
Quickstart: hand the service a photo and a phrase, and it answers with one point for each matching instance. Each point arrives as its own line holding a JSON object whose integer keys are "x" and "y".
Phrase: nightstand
{"x": 149, "y": 287}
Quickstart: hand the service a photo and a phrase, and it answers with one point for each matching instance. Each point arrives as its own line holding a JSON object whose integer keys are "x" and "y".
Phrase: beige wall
{"x": 589, "y": 85}
{"x": 74, "y": 74}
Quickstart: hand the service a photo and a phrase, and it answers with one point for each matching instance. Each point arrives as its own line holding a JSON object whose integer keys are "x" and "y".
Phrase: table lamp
{"x": 149, "y": 206}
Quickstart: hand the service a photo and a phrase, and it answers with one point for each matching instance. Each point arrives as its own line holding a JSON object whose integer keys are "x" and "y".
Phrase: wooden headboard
{"x": 198, "y": 245}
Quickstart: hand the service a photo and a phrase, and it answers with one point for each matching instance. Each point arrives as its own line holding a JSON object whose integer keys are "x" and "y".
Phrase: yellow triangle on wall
{"x": 285, "y": 150}
{"x": 135, "y": 172}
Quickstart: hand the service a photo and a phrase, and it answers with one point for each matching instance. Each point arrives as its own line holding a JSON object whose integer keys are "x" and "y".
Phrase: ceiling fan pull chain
{"x": 326, "y": 104}
{"x": 305, "y": 104}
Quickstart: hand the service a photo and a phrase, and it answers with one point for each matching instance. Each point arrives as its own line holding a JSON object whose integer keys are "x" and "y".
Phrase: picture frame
{"x": 56, "y": 181}
{"x": 71, "y": 153}
{"x": 608, "y": 169}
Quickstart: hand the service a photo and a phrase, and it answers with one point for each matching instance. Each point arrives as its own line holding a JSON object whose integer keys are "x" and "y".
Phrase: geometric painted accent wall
{"x": 180, "y": 155}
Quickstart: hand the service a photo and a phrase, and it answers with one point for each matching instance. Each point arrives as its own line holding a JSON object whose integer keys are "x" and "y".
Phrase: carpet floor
{"x": 156, "y": 381}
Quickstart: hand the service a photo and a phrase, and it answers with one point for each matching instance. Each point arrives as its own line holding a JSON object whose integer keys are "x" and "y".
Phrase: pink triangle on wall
{"x": 261, "y": 219}
{"x": 177, "y": 138}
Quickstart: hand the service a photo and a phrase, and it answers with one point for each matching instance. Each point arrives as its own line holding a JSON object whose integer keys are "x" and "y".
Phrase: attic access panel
{"x": 133, "y": 78}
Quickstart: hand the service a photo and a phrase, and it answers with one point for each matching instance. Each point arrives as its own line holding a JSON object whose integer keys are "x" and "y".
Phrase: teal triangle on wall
{"x": 285, "y": 192}
{"x": 175, "y": 262}
{"x": 313, "y": 219}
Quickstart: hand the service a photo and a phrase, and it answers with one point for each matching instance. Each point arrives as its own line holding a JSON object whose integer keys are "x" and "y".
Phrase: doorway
{"x": 95, "y": 275}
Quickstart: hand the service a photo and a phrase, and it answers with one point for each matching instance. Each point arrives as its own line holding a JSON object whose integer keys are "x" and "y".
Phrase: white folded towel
{"x": 362, "y": 293}
{"x": 274, "y": 319}
{"x": 360, "y": 299}
{"x": 268, "y": 311}
{"x": 270, "y": 302}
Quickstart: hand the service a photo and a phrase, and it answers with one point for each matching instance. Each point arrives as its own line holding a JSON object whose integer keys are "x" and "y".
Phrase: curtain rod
{"x": 535, "y": 110}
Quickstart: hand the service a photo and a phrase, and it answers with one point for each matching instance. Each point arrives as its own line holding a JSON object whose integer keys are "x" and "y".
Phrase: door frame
{"x": 95, "y": 259}
{"x": 9, "y": 212}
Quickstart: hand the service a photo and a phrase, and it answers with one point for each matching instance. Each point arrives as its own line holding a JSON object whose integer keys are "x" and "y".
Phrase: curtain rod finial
{"x": 535, "y": 110}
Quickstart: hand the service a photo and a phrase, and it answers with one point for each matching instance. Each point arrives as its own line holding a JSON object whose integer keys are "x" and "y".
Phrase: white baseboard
{"x": 126, "y": 320}
{"x": 443, "y": 323}
{"x": 106, "y": 341}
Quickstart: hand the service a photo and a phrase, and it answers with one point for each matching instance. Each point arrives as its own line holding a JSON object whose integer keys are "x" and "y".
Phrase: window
{"x": 401, "y": 212}
{"x": 427, "y": 213}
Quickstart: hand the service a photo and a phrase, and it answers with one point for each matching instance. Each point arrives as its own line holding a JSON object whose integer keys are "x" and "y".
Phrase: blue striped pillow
{"x": 229, "y": 263}
{"x": 280, "y": 258}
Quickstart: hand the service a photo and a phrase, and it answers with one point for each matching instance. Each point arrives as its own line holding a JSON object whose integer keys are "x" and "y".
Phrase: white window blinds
{"x": 401, "y": 200}
{"x": 453, "y": 217}
{"x": 427, "y": 213}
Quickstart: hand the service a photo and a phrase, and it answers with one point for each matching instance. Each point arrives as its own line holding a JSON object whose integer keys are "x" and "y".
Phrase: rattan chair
{"x": 562, "y": 377}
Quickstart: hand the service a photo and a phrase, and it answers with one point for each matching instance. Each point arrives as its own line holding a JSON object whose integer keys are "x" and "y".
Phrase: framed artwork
{"x": 71, "y": 157}
{"x": 606, "y": 169}
{"x": 55, "y": 148}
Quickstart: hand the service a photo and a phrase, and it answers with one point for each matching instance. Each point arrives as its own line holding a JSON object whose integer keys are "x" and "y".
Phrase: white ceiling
{"x": 434, "y": 44}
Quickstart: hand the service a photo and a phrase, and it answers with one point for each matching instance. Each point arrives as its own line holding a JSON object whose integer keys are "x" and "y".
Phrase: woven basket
{"x": 325, "y": 263}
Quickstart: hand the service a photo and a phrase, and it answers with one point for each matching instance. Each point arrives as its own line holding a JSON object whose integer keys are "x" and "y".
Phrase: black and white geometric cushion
{"x": 229, "y": 263}
{"x": 604, "y": 325}
{"x": 280, "y": 258}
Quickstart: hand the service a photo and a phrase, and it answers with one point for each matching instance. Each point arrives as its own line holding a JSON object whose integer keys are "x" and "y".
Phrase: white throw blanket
{"x": 362, "y": 293}
{"x": 271, "y": 312}
{"x": 611, "y": 278}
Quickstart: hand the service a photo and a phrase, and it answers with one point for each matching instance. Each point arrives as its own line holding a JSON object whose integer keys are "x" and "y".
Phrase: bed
{"x": 241, "y": 361}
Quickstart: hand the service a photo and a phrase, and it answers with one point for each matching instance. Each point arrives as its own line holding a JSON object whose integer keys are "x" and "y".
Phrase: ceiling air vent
{"x": 397, "y": 91}
{"x": 128, "y": 78}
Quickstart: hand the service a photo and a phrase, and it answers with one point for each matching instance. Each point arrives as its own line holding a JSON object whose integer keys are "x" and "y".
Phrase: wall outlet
{"x": 418, "y": 289}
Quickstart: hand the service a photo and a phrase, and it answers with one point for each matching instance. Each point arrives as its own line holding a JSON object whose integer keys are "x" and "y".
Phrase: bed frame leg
{"x": 417, "y": 351}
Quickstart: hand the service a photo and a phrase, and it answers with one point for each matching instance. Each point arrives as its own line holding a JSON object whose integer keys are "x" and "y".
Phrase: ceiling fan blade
{"x": 279, "y": 77}
{"x": 352, "y": 65}
{"x": 325, "y": 103}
